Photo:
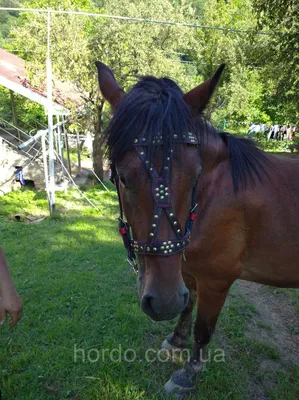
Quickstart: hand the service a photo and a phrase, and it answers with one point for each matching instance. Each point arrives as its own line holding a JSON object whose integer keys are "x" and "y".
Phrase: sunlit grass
{"x": 79, "y": 293}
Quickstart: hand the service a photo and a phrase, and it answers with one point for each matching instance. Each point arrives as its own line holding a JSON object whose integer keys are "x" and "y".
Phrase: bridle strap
{"x": 162, "y": 198}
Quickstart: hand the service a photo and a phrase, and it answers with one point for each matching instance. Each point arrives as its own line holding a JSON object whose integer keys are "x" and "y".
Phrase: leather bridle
{"x": 162, "y": 198}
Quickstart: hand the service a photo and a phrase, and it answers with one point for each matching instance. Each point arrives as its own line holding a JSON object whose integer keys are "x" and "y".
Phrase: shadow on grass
{"x": 80, "y": 305}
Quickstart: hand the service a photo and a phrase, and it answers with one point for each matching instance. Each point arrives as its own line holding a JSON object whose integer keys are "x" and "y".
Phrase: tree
{"x": 240, "y": 97}
{"x": 280, "y": 17}
{"x": 130, "y": 49}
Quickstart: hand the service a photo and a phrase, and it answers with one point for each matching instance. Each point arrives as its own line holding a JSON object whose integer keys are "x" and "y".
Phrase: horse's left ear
{"x": 110, "y": 89}
{"x": 199, "y": 97}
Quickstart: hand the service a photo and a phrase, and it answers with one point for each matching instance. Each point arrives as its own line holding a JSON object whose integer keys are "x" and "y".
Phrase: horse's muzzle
{"x": 160, "y": 309}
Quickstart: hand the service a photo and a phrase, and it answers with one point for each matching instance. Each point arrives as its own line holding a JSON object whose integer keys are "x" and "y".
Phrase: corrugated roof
{"x": 13, "y": 77}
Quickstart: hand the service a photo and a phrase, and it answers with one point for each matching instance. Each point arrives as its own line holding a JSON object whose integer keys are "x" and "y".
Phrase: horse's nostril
{"x": 146, "y": 304}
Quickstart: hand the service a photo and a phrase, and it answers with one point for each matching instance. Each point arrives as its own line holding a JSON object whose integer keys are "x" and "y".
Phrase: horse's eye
{"x": 122, "y": 181}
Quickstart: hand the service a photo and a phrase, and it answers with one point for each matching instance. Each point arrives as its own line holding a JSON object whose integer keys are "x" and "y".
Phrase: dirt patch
{"x": 275, "y": 323}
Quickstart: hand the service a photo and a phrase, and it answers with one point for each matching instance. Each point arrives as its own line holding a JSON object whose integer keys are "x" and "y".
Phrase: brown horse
{"x": 167, "y": 159}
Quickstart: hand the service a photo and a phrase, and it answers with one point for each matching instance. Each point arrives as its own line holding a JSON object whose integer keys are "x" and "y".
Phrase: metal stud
{"x": 148, "y": 249}
{"x": 155, "y": 216}
{"x": 162, "y": 247}
{"x": 178, "y": 244}
{"x": 171, "y": 214}
{"x": 165, "y": 251}
{"x": 142, "y": 153}
{"x": 172, "y": 246}
{"x": 136, "y": 140}
{"x": 157, "y": 189}
{"x": 167, "y": 247}
{"x": 175, "y": 136}
{"x": 151, "y": 234}
{"x": 141, "y": 248}
{"x": 168, "y": 158}
{"x": 154, "y": 225}
{"x": 162, "y": 197}
{"x": 169, "y": 242}
{"x": 146, "y": 162}
{"x": 161, "y": 186}
{"x": 151, "y": 169}
{"x": 169, "y": 251}
{"x": 166, "y": 167}
{"x": 164, "y": 243}
{"x": 175, "y": 223}
{"x": 178, "y": 231}
{"x": 155, "y": 248}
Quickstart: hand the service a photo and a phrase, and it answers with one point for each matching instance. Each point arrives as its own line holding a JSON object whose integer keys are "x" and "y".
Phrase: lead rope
{"x": 124, "y": 230}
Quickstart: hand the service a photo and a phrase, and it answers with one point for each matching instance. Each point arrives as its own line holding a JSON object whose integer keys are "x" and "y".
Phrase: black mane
{"x": 152, "y": 106}
{"x": 157, "y": 106}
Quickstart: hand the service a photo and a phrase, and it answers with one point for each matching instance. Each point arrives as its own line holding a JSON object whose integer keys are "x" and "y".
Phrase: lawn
{"x": 81, "y": 303}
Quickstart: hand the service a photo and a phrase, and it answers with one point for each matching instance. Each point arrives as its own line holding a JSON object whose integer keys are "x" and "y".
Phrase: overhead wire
{"x": 136, "y": 19}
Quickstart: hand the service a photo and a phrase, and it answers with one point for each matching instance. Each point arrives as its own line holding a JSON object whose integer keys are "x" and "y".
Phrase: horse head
{"x": 154, "y": 150}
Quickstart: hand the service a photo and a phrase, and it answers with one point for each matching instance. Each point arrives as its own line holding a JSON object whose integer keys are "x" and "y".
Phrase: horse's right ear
{"x": 199, "y": 97}
{"x": 110, "y": 89}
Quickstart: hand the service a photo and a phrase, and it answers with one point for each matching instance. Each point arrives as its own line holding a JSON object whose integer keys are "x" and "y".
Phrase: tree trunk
{"x": 98, "y": 143}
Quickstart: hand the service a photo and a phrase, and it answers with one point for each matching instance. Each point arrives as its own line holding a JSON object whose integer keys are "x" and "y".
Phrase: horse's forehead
{"x": 184, "y": 157}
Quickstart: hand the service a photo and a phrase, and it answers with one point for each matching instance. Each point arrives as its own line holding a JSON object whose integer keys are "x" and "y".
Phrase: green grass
{"x": 78, "y": 291}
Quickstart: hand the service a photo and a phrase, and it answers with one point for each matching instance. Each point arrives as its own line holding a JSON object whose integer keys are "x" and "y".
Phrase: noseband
{"x": 162, "y": 198}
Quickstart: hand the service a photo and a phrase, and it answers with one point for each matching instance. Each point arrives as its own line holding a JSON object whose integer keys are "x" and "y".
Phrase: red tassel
{"x": 123, "y": 230}
{"x": 193, "y": 217}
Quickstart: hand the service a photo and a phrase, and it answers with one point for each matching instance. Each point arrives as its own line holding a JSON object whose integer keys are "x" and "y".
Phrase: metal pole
{"x": 50, "y": 124}
{"x": 79, "y": 153}
{"x": 60, "y": 145}
{"x": 67, "y": 150}
{"x": 43, "y": 139}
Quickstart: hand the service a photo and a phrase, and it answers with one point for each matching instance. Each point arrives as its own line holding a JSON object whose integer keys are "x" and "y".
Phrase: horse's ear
{"x": 199, "y": 97}
{"x": 110, "y": 89}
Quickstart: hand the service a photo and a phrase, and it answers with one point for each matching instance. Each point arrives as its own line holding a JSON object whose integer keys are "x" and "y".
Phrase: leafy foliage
{"x": 281, "y": 18}
{"x": 260, "y": 82}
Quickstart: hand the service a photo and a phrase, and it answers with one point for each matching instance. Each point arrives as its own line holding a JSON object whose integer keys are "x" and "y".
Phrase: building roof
{"x": 13, "y": 77}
